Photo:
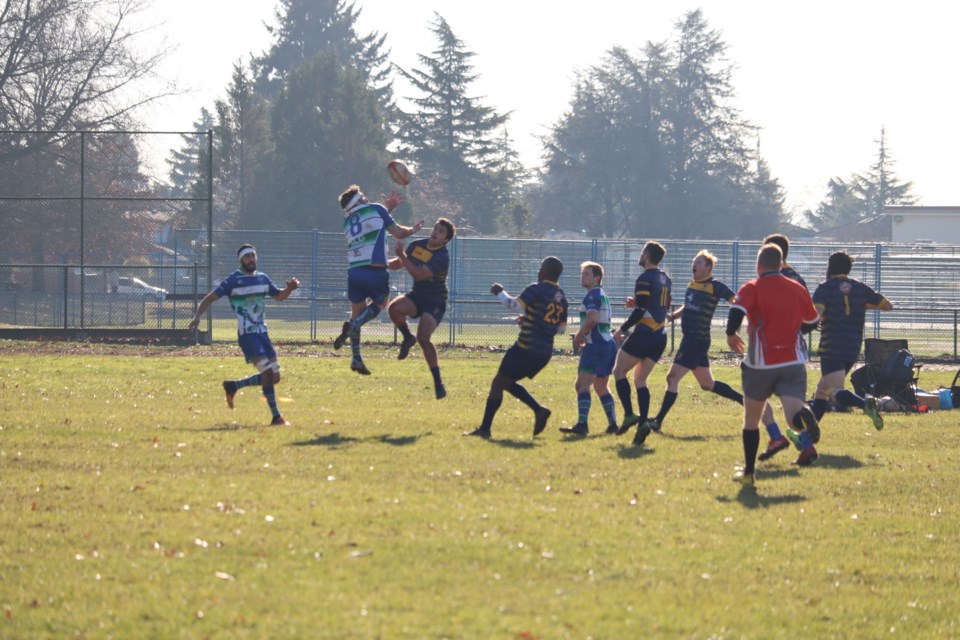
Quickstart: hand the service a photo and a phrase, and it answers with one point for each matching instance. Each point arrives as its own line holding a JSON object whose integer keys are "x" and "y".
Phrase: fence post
{"x": 954, "y": 333}
{"x": 314, "y": 276}
{"x": 65, "y": 303}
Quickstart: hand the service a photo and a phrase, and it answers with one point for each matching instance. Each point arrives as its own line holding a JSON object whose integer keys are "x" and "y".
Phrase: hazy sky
{"x": 819, "y": 78}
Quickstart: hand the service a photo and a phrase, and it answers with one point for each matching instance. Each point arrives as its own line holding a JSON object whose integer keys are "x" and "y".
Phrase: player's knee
{"x": 707, "y": 386}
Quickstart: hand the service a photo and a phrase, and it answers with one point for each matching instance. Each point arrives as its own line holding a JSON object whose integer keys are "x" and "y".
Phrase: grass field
{"x": 134, "y": 504}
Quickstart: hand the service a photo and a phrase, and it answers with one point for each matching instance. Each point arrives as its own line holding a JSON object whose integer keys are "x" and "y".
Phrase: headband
{"x": 246, "y": 252}
{"x": 353, "y": 201}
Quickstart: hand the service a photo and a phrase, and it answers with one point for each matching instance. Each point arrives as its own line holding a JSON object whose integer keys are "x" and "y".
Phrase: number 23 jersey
{"x": 545, "y": 315}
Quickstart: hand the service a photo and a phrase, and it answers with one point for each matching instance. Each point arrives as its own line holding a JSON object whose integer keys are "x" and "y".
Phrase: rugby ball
{"x": 399, "y": 173}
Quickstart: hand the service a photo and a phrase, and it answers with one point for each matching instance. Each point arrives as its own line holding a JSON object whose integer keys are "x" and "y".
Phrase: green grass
{"x": 133, "y": 503}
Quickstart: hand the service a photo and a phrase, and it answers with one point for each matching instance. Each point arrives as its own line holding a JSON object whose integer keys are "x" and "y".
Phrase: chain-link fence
{"x": 923, "y": 282}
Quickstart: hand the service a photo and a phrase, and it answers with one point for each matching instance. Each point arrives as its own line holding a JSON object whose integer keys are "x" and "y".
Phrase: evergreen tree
{"x": 189, "y": 166}
{"x": 862, "y": 195}
{"x": 306, "y": 28}
{"x": 452, "y": 136}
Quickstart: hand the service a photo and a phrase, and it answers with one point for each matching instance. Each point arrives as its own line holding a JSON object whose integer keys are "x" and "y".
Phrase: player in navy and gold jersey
{"x": 427, "y": 261}
{"x": 247, "y": 288}
{"x": 645, "y": 346}
{"x": 843, "y": 303}
{"x": 544, "y": 307}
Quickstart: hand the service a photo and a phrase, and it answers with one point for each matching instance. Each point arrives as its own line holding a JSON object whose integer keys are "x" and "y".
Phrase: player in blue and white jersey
{"x": 651, "y": 303}
{"x": 247, "y": 288}
{"x": 544, "y": 307}
{"x": 843, "y": 303}
{"x": 597, "y": 351}
{"x": 427, "y": 261}
{"x": 365, "y": 225}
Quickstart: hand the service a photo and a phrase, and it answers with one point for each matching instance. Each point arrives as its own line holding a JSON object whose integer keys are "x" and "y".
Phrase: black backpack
{"x": 896, "y": 373}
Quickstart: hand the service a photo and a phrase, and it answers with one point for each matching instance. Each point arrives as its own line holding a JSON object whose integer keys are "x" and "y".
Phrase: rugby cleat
{"x": 440, "y": 391}
{"x": 775, "y": 447}
{"x": 540, "y": 420}
{"x": 794, "y": 437}
{"x": 628, "y": 421}
{"x": 359, "y": 367}
{"x": 807, "y": 457}
{"x": 579, "y": 429}
{"x": 230, "y": 388}
{"x": 872, "y": 411}
{"x": 279, "y": 421}
{"x": 480, "y": 432}
{"x": 743, "y": 479}
{"x": 642, "y": 432}
{"x": 405, "y": 347}
{"x": 612, "y": 429}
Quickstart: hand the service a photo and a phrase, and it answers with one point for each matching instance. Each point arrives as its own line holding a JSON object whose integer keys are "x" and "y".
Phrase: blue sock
{"x": 251, "y": 381}
{"x": 583, "y": 407}
{"x": 355, "y": 343}
{"x": 609, "y": 408}
{"x": 805, "y": 440}
{"x": 372, "y": 311}
{"x": 773, "y": 430}
{"x": 271, "y": 397}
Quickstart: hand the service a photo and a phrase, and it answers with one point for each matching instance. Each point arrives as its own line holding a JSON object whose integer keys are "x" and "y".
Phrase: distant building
{"x": 910, "y": 224}
{"x": 867, "y": 229}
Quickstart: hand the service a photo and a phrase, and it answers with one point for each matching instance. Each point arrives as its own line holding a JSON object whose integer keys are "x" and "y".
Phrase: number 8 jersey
{"x": 365, "y": 227}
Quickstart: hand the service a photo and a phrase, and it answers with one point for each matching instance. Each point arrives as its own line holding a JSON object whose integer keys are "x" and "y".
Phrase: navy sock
{"x": 847, "y": 398}
{"x": 435, "y": 372}
{"x": 643, "y": 402}
{"x": 404, "y": 330}
{"x": 626, "y": 396}
{"x": 519, "y": 392}
{"x": 751, "y": 444}
{"x": 493, "y": 405}
{"x": 668, "y": 399}
{"x": 724, "y": 390}
{"x": 820, "y": 407}
{"x": 369, "y": 313}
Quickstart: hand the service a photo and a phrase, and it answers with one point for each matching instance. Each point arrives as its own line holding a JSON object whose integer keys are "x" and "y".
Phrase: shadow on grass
{"x": 509, "y": 443}
{"x": 749, "y": 498}
{"x": 334, "y": 440}
{"x": 691, "y": 438}
{"x": 837, "y": 462}
{"x": 633, "y": 452}
{"x": 223, "y": 426}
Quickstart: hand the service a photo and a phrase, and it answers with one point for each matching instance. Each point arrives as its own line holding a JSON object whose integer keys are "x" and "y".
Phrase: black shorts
{"x": 520, "y": 363}
{"x": 424, "y": 304}
{"x": 828, "y": 366}
{"x": 692, "y": 353}
{"x": 646, "y": 345}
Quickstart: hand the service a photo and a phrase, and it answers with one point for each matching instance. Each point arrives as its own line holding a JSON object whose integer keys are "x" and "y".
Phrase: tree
{"x": 451, "y": 135}
{"x": 862, "y": 195}
{"x": 69, "y": 64}
{"x": 327, "y": 132}
{"x": 306, "y": 28}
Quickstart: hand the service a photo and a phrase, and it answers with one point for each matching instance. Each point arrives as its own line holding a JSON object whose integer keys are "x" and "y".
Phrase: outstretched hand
{"x": 496, "y": 288}
{"x": 392, "y": 201}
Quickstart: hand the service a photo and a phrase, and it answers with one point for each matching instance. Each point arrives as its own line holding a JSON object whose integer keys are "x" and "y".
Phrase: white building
{"x": 911, "y": 224}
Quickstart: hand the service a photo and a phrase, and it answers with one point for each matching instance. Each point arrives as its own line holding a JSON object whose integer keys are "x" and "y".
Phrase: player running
{"x": 246, "y": 287}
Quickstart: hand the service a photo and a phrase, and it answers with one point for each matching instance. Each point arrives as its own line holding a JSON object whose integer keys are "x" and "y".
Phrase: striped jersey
{"x": 437, "y": 260}
{"x": 544, "y": 315}
{"x": 699, "y": 305}
{"x": 247, "y": 292}
{"x": 652, "y": 294}
{"x": 596, "y": 300}
{"x": 842, "y": 302}
{"x": 365, "y": 227}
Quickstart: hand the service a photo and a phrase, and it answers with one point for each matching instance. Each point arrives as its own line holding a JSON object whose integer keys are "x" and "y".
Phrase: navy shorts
{"x": 597, "y": 358}
{"x": 257, "y": 346}
{"x": 368, "y": 282}
{"x": 692, "y": 353}
{"x": 424, "y": 304}
{"x": 520, "y": 363}
{"x": 646, "y": 345}
{"x": 828, "y": 366}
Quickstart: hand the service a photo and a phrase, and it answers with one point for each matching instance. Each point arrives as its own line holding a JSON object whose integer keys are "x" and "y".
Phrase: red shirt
{"x": 776, "y": 307}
